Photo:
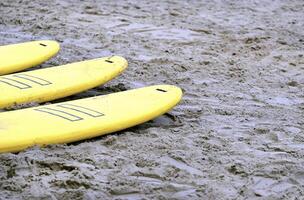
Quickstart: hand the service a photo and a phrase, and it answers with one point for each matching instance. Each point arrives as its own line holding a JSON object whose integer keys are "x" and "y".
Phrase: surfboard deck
{"x": 57, "y": 82}
{"x": 17, "y": 57}
{"x": 86, "y": 118}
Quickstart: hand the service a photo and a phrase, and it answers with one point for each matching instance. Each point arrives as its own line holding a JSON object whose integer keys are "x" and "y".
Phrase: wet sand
{"x": 238, "y": 132}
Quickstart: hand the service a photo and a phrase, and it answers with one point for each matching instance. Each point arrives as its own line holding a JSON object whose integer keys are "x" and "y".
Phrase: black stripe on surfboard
{"x": 41, "y": 44}
{"x": 33, "y": 79}
{"x": 15, "y": 83}
{"x": 60, "y": 113}
{"x": 81, "y": 109}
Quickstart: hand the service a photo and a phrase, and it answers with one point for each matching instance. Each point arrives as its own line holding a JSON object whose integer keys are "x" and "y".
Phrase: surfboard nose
{"x": 170, "y": 90}
{"x": 119, "y": 61}
{"x": 49, "y": 44}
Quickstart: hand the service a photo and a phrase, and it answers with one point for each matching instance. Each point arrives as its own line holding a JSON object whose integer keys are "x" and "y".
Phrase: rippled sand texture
{"x": 237, "y": 134}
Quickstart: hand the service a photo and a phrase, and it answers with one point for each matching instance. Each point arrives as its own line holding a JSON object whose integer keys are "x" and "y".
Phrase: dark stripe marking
{"x": 21, "y": 86}
{"x": 33, "y": 79}
{"x": 161, "y": 90}
{"x": 55, "y": 112}
{"x": 81, "y": 109}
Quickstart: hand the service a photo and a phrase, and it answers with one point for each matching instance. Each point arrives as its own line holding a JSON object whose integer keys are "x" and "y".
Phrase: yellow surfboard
{"x": 16, "y": 57}
{"x": 57, "y": 82}
{"x": 86, "y": 118}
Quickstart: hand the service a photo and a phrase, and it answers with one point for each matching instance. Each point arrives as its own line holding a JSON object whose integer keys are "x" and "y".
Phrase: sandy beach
{"x": 238, "y": 132}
